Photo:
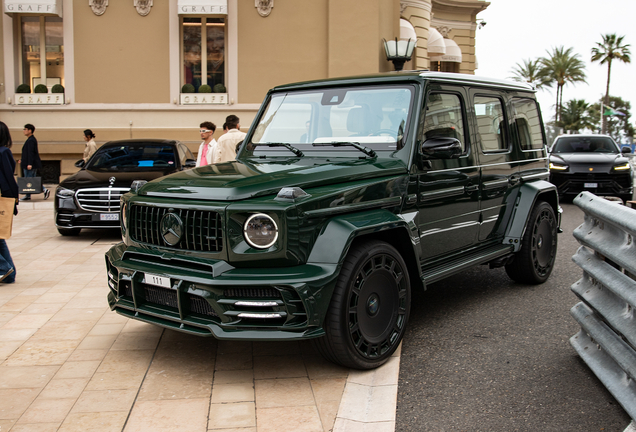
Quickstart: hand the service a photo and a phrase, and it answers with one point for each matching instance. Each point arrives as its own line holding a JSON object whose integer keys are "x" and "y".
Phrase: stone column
{"x": 418, "y": 13}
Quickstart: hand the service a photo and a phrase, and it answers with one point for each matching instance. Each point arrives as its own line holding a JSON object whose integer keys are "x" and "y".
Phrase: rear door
{"x": 499, "y": 175}
{"x": 447, "y": 189}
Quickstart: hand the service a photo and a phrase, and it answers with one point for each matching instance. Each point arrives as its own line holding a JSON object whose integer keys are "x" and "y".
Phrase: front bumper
{"x": 212, "y": 298}
{"x": 81, "y": 219}
{"x": 571, "y": 184}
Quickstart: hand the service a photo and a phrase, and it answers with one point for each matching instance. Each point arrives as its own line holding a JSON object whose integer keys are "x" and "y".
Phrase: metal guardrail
{"x": 607, "y": 340}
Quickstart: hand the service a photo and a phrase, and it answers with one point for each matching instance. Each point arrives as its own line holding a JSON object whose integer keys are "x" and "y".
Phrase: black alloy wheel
{"x": 369, "y": 308}
{"x": 533, "y": 264}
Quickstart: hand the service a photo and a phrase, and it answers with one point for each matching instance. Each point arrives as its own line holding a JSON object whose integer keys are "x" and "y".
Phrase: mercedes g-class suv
{"x": 345, "y": 196}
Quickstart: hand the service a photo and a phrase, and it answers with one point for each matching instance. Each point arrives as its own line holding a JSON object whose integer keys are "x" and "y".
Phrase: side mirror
{"x": 80, "y": 163}
{"x": 190, "y": 163}
{"x": 441, "y": 148}
{"x": 626, "y": 150}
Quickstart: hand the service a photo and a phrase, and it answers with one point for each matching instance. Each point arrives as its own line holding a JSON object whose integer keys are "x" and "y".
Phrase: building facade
{"x": 158, "y": 68}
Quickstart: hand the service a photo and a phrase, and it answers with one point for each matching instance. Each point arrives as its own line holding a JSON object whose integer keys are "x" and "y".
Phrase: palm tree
{"x": 532, "y": 73}
{"x": 611, "y": 48}
{"x": 563, "y": 67}
{"x": 575, "y": 116}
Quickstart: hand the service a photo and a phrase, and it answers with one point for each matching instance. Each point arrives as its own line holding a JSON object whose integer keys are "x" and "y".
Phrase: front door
{"x": 447, "y": 189}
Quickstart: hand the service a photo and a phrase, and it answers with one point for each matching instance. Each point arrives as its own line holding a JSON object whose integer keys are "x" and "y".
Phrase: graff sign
{"x": 40, "y": 99}
{"x": 193, "y": 9}
{"x": 203, "y": 98}
{"x": 27, "y": 7}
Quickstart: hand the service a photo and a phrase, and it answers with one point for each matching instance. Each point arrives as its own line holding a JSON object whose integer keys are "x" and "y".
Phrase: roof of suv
{"x": 415, "y": 75}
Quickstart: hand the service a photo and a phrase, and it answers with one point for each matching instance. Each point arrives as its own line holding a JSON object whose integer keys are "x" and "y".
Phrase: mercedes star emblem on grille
{"x": 171, "y": 228}
{"x": 112, "y": 180}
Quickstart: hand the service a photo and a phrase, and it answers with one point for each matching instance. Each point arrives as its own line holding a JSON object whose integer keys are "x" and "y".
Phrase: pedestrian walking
{"x": 91, "y": 147}
{"x": 9, "y": 189}
{"x": 30, "y": 161}
{"x": 226, "y": 146}
{"x": 206, "y": 149}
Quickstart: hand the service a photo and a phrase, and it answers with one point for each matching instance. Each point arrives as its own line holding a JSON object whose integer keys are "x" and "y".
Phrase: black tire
{"x": 369, "y": 308}
{"x": 535, "y": 261}
{"x": 69, "y": 231}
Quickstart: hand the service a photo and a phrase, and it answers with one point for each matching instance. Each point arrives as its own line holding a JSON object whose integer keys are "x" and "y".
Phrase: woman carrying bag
{"x": 8, "y": 203}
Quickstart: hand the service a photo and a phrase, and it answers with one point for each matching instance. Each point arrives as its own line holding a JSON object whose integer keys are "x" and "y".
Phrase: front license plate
{"x": 109, "y": 217}
{"x": 591, "y": 185}
{"x": 156, "y": 280}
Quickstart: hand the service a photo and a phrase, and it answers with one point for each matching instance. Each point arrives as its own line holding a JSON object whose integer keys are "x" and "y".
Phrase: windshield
{"x": 311, "y": 121}
{"x": 133, "y": 157}
{"x": 576, "y": 144}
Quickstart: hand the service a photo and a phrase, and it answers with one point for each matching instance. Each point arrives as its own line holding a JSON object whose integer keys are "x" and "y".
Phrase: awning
{"x": 36, "y": 7}
{"x": 406, "y": 30}
{"x": 191, "y": 7}
{"x": 453, "y": 53}
{"x": 436, "y": 45}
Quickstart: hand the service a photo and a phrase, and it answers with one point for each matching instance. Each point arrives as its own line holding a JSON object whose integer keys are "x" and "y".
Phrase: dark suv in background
{"x": 593, "y": 163}
{"x": 90, "y": 198}
{"x": 346, "y": 195}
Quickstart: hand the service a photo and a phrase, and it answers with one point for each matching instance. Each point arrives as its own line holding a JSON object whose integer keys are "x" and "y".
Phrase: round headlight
{"x": 260, "y": 231}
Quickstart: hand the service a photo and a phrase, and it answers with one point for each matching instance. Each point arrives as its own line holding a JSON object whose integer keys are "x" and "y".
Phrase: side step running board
{"x": 436, "y": 273}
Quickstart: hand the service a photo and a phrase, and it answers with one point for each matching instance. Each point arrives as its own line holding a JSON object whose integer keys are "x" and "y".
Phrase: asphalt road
{"x": 483, "y": 353}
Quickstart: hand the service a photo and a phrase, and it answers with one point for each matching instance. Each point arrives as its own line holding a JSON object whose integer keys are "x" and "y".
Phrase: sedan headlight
{"x": 260, "y": 231}
{"x": 622, "y": 167}
{"x": 558, "y": 167}
{"x": 62, "y": 192}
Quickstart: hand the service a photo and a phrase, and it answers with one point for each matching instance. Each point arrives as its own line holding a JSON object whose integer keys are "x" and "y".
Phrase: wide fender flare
{"x": 529, "y": 194}
{"x": 336, "y": 237}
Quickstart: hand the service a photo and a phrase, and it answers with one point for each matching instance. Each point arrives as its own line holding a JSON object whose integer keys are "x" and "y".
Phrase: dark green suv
{"x": 345, "y": 196}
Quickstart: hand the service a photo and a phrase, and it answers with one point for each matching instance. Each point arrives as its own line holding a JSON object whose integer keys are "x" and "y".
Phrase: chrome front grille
{"x": 201, "y": 229}
{"x": 102, "y": 200}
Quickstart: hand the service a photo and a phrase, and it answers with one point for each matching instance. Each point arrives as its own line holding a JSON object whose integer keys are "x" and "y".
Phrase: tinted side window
{"x": 527, "y": 124}
{"x": 184, "y": 153}
{"x": 444, "y": 118}
{"x": 491, "y": 125}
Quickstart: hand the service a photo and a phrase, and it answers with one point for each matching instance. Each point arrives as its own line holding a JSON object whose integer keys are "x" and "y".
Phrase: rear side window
{"x": 491, "y": 123}
{"x": 527, "y": 124}
{"x": 444, "y": 118}
{"x": 184, "y": 154}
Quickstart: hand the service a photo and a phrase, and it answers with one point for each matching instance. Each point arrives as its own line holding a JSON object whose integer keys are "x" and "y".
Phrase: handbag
{"x": 29, "y": 185}
{"x": 7, "y": 205}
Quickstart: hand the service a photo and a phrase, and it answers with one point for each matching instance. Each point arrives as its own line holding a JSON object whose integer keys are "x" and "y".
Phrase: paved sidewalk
{"x": 67, "y": 363}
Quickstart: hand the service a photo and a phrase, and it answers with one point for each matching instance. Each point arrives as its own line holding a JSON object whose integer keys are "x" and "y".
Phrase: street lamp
{"x": 399, "y": 51}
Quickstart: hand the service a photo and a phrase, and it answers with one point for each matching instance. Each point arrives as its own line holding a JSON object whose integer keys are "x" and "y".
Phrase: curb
{"x": 369, "y": 399}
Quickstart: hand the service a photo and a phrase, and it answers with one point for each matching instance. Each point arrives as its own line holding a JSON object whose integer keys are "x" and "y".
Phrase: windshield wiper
{"x": 365, "y": 150}
{"x": 289, "y": 147}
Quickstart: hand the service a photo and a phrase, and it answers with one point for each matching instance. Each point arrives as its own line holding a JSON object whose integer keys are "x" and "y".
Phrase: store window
{"x": 42, "y": 51}
{"x": 203, "y": 52}
{"x": 442, "y": 66}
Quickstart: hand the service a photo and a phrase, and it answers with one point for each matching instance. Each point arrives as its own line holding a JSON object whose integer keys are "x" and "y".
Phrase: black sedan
{"x": 90, "y": 198}
{"x": 594, "y": 163}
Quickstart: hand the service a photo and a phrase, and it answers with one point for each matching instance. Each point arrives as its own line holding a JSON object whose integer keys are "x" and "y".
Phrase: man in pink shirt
{"x": 206, "y": 149}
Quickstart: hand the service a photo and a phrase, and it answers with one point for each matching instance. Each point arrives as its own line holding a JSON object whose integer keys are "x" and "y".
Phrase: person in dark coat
{"x": 30, "y": 161}
{"x": 9, "y": 189}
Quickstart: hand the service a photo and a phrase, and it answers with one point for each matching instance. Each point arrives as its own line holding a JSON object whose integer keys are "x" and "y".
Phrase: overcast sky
{"x": 520, "y": 29}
